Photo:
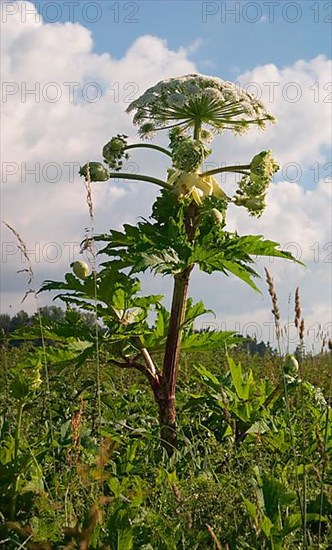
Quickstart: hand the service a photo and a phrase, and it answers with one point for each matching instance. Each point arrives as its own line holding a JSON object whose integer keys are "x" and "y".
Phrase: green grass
{"x": 111, "y": 486}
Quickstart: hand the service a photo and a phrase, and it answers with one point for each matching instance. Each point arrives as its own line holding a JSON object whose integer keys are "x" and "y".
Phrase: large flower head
{"x": 197, "y": 99}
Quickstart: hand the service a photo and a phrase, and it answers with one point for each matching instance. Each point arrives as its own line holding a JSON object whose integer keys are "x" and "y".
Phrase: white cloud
{"x": 294, "y": 216}
{"x": 300, "y": 97}
{"x": 54, "y": 138}
{"x": 73, "y": 131}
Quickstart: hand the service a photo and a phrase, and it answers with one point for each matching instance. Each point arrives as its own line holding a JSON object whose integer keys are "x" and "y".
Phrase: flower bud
{"x": 291, "y": 365}
{"x": 188, "y": 154}
{"x": 218, "y": 217}
{"x": 81, "y": 269}
{"x": 95, "y": 170}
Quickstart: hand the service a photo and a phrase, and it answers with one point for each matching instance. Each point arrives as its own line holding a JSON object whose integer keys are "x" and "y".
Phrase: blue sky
{"x": 227, "y": 37}
{"x": 233, "y": 36}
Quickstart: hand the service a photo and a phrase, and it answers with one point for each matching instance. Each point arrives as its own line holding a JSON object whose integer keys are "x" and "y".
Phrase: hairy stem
{"x": 139, "y": 177}
{"x": 166, "y": 400}
{"x": 148, "y": 146}
{"x": 173, "y": 342}
{"x": 167, "y": 410}
{"x": 197, "y": 130}
{"x": 235, "y": 168}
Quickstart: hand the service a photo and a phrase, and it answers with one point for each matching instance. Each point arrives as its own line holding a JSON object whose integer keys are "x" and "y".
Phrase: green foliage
{"x": 119, "y": 489}
{"x": 163, "y": 246}
{"x": 270, "y": 513}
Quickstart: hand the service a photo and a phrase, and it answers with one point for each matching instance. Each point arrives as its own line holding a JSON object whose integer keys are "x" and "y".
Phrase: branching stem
{"x": 148, "y": 146}
{"x": 139, "y": 177}
{"x": 235, "y": 168}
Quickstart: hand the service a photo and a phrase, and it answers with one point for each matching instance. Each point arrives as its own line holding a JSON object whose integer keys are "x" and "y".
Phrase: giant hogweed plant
{"x": 187, "y": 229}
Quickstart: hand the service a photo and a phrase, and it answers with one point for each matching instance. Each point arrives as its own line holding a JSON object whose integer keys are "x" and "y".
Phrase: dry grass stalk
{"x": 323, "y": 344}
{"x": 89, "y": 201}
{"x": 177, "y": 493}
{"x": 298, "y": 310}
{"x": 275, "y": 307}
{"x": 75, "y": 425}
{"x": 214, "y": 537}
{"x": 301, "y": 330}
{"x": 21, "y": 245}
{"x": 298, "y": 320}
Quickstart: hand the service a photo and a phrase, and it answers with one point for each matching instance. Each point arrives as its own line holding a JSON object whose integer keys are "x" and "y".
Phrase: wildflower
{"x": 197, "y": 99}
{"x": 264, "y": 165}
{"x": 35, "y": 378}
{"x": 193, "y": 185}
{"x": 255, "y": 206}
{"x": 206, "y": 135}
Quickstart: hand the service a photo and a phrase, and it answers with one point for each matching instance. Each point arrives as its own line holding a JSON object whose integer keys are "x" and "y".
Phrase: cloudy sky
{"x": 69, "y": 70}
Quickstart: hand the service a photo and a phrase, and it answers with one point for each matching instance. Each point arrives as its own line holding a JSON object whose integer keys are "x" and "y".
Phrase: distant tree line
{"x": 56, "y": 315}
{"x": 21, "y": 320}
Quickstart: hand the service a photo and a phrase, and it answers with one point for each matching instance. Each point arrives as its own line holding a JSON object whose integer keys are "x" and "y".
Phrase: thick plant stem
{"x": 181, "y": 283}
{"x": 167, "y": 421}
{"x": 171, "y": 361}
{"x": 166, "y": 394}
{"x": 173, "y": 345}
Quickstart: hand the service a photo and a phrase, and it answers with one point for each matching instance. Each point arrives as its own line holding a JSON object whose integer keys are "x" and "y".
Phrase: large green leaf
{"x": 244, "y": 384}
{"x": 208, "y": 341}
{"x": 229, "y": 253}
{"x": 193, "y": 311}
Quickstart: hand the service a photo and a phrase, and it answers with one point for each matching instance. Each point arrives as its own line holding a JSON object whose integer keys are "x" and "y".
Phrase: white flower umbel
{"x": 194, "y": 100}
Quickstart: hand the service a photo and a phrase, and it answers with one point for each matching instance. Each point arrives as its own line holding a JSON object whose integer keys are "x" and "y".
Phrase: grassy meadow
{"x": 82, "y": 468}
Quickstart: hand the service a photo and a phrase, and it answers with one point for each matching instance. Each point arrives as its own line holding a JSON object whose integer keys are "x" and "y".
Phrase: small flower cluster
{"x": 187, "y": 154}
{"x": 253, "y": 186}
{"x": 35, "y": 377}
{"x": 264, "y": 165}
{"x": 114, "y": 152}
{"x": 197, "y": 99}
